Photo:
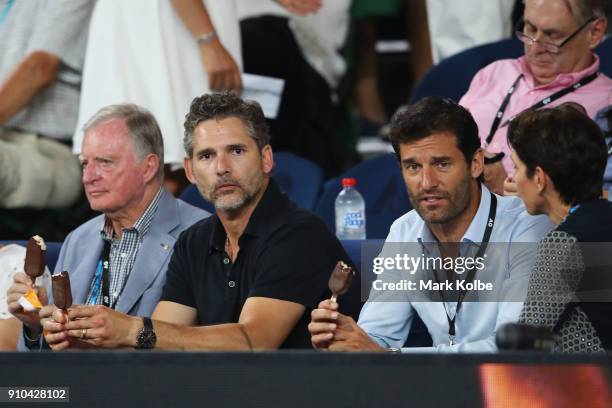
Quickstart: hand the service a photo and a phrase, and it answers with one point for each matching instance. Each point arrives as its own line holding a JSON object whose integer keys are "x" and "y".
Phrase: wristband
{"x": 206, "y": 38}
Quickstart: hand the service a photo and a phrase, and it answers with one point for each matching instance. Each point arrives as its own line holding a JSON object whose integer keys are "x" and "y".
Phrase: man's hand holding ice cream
{"x": 330, "y": 329}
{"x": 54, "y": 318}
{"x": 25, "y": 298}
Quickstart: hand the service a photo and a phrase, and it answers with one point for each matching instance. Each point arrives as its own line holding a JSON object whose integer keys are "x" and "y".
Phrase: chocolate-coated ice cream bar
{"x": 34, "y": 265}
{"x": 340, "y": 280}
{"x": 62, "y": 295}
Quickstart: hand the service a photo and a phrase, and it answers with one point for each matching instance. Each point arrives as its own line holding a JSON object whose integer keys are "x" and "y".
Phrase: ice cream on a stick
{"x": 33, "y": 266}
{"x": 62, "y": 295}
{"x": 340, "y": 280}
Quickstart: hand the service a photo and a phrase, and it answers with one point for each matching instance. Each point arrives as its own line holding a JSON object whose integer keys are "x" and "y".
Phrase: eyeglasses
{"x": 549, "y": 47}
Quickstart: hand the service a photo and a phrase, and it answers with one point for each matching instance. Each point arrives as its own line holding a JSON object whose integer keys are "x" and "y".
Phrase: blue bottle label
{"x": 353, "y": 219}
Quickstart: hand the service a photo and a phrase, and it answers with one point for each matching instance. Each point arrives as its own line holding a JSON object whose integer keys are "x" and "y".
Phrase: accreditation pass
{"x": 34, "y": 394}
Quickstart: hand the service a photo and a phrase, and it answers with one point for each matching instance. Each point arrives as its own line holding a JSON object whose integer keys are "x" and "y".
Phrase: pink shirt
{"x": 491, "y": 84}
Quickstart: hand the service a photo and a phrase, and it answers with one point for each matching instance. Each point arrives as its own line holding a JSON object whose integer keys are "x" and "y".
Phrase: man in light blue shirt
{"x": 455, "y": 217}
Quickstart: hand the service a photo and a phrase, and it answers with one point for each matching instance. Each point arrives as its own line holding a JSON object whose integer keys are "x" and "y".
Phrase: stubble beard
{"x": 247, "y": 192}
{"x": 458, "y": 202}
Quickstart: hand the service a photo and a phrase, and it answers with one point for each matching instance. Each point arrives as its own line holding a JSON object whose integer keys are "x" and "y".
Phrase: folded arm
{"x": 34, "y": 73}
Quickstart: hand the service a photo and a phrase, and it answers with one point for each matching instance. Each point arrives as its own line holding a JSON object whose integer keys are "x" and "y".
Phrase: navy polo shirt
{"x": 286, "y": 253}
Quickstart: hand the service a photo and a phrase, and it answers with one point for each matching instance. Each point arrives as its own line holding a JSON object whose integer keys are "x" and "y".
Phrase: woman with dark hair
{"x": 560, "y": 157}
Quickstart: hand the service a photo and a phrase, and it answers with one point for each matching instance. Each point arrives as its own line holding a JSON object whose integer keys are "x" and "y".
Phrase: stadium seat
{"x": 604, "y": 50}
{"x": 53, "y": 250}
{"x": 451, "y": 78}
{"x": 380, "y": 182}
{"x": 299, "y": 178}
{"x": 192, "y": 196}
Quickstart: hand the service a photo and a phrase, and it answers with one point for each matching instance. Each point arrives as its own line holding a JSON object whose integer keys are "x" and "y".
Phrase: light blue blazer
{"x": 82, "y": 250}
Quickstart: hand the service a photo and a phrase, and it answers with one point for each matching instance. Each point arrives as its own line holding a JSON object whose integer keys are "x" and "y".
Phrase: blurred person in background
{"x": 456, "y": 26}
{"x": 43, "y": 46}
{"x": 559, "y": 65}
{"x": 12, "y": 258}
{"x": 160, "y": 54}
{"x": 302, "y": 47}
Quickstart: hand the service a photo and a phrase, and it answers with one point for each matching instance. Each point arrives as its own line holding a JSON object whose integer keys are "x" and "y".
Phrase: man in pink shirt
{"x": 558, "y": 66}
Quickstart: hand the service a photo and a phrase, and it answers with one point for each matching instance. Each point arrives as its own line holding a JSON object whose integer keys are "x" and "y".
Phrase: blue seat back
{"x": 380, "y": 182}
{"x": 53, "y": 250}
{"x": 299, "y": 178}
{"x": 451, "y": 78}
{"x": 192, "y": 196}
{"x": 604, "y": 50}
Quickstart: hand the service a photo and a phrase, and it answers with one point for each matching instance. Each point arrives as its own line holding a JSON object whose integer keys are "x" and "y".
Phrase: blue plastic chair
{"x": 380, "y": 182}
{"x": 53, "y": 250}
{"x": 604, "y": 50}
{"x": 192, "y": 196}
{"x": 297, "y": 177}
{"x": 451, "y": 78}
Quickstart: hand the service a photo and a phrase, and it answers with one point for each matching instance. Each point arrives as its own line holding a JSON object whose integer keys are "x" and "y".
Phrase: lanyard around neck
{"x": 470, "y": 276}
{"x": 546, "y": 101}
{"x": 5, "y": 10}
{"x": 102, "y": 278}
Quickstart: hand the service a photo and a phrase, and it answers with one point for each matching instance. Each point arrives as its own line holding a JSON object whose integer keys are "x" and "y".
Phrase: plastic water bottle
{"x": 350, "y": 212}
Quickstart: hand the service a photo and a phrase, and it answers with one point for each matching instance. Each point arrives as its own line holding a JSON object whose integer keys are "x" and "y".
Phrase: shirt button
{"x": 226, "y": 261}
{"x": 231, "y": 284}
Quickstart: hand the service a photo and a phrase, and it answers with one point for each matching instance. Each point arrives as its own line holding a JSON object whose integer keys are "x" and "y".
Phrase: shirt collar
{"x": 218, "y": 236}
{"x": 272, "y": 203}
{"x": 562, "y": 80}
{"x": 141, "y": 226}
{"x": 476, "y": 229}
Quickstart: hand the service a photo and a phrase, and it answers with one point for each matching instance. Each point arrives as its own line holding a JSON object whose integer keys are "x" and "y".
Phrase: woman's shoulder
{"x": 590, "y": 222}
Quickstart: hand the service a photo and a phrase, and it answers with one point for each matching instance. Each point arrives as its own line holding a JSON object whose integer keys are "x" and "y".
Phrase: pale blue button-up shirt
{"x": 387, "y": 318}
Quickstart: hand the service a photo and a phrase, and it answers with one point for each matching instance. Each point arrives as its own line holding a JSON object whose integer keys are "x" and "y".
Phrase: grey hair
{"x": 223, "y": 105}
{"x": 142, "y": 127}
{"x": 584, "y": 10}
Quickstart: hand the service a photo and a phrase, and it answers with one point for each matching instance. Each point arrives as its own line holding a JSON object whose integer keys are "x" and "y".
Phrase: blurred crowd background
{"x": 347, "y": 66}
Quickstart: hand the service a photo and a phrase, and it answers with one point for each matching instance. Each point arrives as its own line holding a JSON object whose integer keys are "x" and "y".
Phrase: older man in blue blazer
{"x": 119, "y": 258}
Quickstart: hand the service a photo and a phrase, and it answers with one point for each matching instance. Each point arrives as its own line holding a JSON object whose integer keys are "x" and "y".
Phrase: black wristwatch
{"x": 146, "y": 337}
{"x": 31, "y": 342}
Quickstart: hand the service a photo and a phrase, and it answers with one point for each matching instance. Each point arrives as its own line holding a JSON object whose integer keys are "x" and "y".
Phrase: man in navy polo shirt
{"x": 244, "y": 279}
